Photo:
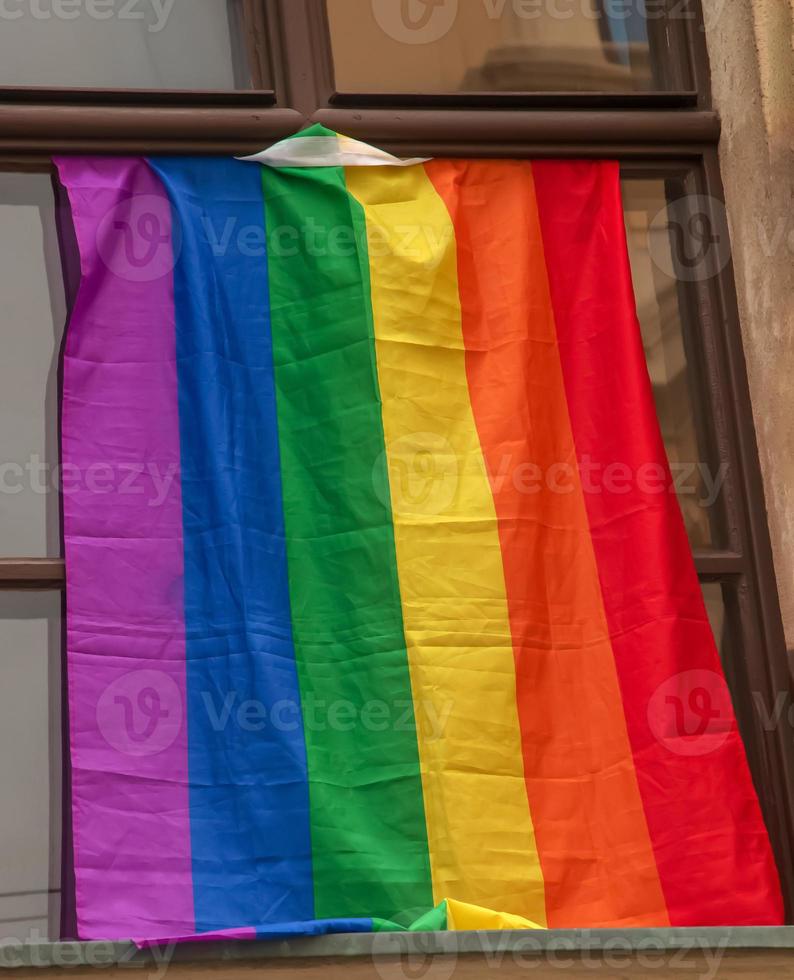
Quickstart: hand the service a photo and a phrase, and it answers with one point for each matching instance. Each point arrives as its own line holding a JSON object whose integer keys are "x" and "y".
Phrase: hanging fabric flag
{"x": 360, "y": 633}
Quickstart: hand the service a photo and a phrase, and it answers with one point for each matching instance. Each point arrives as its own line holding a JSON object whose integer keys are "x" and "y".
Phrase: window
{"x": 30, "y": 818}
{"x": 671, "y": 349}
{"x": 130, "y": 44}
{"x": 218, "y": 77}
{"x": 33, "y": 315}
{"x": 526, "y": 46}
{"x": 118, "y": 45}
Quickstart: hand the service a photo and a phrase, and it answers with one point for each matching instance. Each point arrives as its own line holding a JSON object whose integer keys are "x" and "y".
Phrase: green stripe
{"x": 433, "y": 921}
{"x": 369, "y": 840}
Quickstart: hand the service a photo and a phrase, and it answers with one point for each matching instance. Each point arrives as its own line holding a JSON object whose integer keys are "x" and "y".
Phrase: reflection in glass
{"x": 116, "y": 44}
{"x": 715, "y": 607}
{"x": 721, "y": 608}
{"x": 438, "y": 46}
{"x": 670, "y": 360}
{"x": 33, "y": 313}
{"x": 30, "y": 765}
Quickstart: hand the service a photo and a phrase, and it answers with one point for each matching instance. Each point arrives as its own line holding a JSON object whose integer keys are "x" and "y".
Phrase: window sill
{"x": 720, "y": 951}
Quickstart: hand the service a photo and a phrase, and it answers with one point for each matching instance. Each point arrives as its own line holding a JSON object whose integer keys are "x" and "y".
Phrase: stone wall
{"x": 751, "y": 47}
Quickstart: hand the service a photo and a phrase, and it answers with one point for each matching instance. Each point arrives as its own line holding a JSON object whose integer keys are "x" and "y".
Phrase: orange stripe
{"x": 592, "y": 835}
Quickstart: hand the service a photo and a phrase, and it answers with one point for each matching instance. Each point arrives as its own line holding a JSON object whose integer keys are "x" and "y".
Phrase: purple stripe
{"x": 247, "y": 933}
{"x": 124, "y": 561}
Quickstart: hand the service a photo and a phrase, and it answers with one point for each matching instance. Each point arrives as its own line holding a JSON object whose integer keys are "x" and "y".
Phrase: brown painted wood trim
{"x": 32, "y": 573}
{"x": 25, "y": 163}
{"x": 174, "y": 98}
{"x": 718, "y": 564}
{"x": 127, "y": 122}
{"x": 34, "y": 154}
{"x": 273, "y": 37}
{"x": 529, "y": 150}
{"x": 702, "y": 305}
{"x": 106, "y": 129}
{"x": 468, "y": 126}
{"x": 257, "y": 42}
{"x": 44, "y": 150}
{"x": 699, "y": 56}
{"x": 314, "y": 24}
{"x": 708, "y": 563}
{"x": 304, "y": 52}
{"x": 517, "y": 100}
{"x": 50, "y": 128}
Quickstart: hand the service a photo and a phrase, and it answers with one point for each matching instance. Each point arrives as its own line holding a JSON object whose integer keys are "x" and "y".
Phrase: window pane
{"x": 723, "y": 613}
{"x": 717, "y": 613}
{"x": 138, "y": 44}
{"x": 33, "y": 313}
{"x": 730, "y": 633}
{"x": 671, "y": 356}
{"x": 30, "y": 765}
{"x": 444, "y": 46}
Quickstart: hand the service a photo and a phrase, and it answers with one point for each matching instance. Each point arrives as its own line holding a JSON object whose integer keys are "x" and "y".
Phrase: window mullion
{"x": 31, "y": 573}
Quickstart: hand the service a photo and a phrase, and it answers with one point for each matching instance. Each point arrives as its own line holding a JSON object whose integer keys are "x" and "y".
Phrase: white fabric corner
{"x": 328, "y": 151}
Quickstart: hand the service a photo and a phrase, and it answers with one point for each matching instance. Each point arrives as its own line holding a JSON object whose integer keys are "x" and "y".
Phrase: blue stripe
{"x": 249, "y": 799}
{"x": 318, "y": 927}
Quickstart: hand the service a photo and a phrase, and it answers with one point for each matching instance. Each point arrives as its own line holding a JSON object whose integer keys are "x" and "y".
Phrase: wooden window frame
{"x": 672, "y": 47}
{"x": 653, "y": 135}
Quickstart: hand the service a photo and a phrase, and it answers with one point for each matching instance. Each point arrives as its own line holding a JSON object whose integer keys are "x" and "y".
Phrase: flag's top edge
{"x": 320, "y": 147}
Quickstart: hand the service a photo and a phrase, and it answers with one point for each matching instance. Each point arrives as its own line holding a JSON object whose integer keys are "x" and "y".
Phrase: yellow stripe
{"x": 462, "y": 917}
{"x": 482, "y": 843}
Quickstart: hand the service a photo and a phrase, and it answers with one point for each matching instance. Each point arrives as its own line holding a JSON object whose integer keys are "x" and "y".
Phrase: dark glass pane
{"x": 723, "y": 612}
{"x": 718, "y": 615}
{"x": 445, "y": 46}
{"x": 30, "y": 765}
{"x": 33, "y": 313}
{"x": 681, "y": 401}
{"x": 116, "y": 44}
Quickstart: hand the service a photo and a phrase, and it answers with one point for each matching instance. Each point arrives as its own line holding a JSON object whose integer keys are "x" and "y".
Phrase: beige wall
{"x": 751, "y": 46}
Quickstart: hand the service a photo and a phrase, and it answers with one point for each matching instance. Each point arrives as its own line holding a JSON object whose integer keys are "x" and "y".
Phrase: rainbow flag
{"x": 381, "y": 610}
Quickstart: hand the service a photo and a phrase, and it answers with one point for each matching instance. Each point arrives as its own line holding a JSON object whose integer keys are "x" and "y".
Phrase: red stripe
{"x": 711, "y": 846}
{"x": 598, "y": 864}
